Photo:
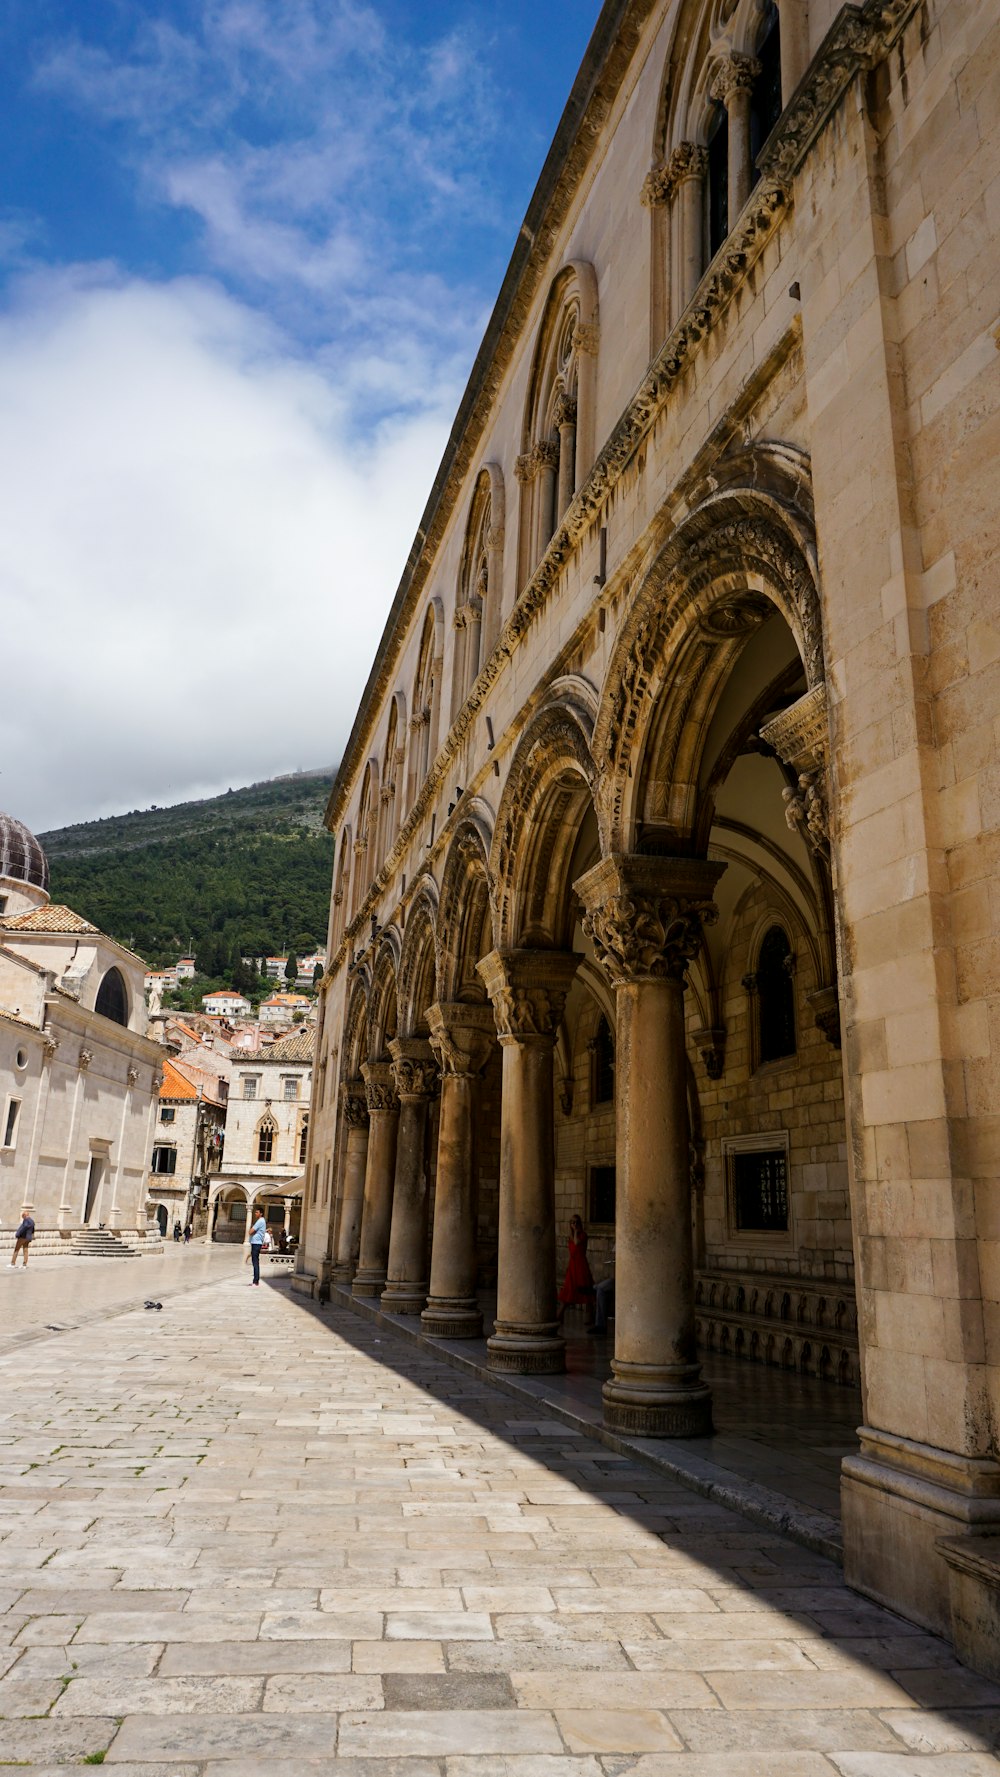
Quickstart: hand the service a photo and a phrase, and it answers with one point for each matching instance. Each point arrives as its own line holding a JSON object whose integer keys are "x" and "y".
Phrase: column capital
{"x": 461, "y": 1037}
{"x": 354, "y": 1104}
{"x": 801, "y": 738}
{"x": 734, "y": 75}
{"x": 564, "y": 411}
{"x": 688, "y": 160}
{"x": 528, "y": 991}
{"x": 646, "y": 916}
{"x": 414, "y": 1069}
{"x": 545, "y": 452}
{"x": 525, "y": 467}
{"x": 380, "y": 1089}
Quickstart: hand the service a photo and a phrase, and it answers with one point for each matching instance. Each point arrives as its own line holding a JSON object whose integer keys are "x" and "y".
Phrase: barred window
{"x": 602, "y": 1194}
{"x": 760, "y": 1191}
{"x": 776, "y": 997}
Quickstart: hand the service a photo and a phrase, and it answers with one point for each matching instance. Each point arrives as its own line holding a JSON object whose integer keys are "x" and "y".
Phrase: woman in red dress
{"x": 578, "y": 1283}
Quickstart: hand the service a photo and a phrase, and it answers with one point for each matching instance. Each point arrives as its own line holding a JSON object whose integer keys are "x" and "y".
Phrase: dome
{"x": 21, "y": 857}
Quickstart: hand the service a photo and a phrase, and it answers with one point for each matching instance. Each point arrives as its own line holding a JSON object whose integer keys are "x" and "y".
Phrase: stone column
{"x": 565, "y": 418}
{"x": 462, "y": 1038}
{"x": 354, "y": 1115}
{"x": 733, "y": 84}
{"x": 689, "y": 164}
{"x": 415, "y": 1074}
{"x": 380, "y": 1171}
{"x": 645, "y": 917}
{"x": 547, "y": 453}
{"x": 528, "y": 989}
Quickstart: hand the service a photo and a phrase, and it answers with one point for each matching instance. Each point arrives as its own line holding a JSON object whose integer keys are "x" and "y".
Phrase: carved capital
{"x": 528, "y": 989}
{"x": 801, "y": 734}
{"x": 564, "y": 411}
{"x": 360, "y": 847}
{"x": 133, "y": 1076}
{"x": 824, "y": 1003}
{"x": 657, "y": 188}
{"x": 687, "y": 161}
{"x": 525, "y": 467}
{"x": 354, "y": 1104}
{"x": 50, "y": 1047}
{"x": 84, "y": 1059}
{"x": 646, "y": 916}
{"x": 380, "y": 1087}
{"x": 711, "y": 1046}
{"x": 587, "y": 338}
{"x": 546, "y": 453}
{"x": 462, "y": 1037}
{"x": 735, "y": 75}
{"x": 414, "y": 1068}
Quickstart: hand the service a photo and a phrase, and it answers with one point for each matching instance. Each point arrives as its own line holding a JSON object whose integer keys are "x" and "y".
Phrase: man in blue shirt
{"x": 257, "y": 1233}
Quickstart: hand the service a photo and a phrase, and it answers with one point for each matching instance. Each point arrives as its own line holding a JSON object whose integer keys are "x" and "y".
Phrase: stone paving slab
{"x": 327, "y": 1552}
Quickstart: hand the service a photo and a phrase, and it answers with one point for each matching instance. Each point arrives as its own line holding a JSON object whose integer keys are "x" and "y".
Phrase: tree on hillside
{"x": 304, "y": 943}
{"x": 292, "y": 967}
{"x": 317, "y": 974}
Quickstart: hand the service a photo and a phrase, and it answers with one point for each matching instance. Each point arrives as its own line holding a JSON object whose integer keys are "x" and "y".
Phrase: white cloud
{"x": 196, "y": 552}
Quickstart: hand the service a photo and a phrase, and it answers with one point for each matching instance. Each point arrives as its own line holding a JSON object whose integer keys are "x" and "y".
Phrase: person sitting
{"x": 604, "y": 1300}
{"x": 578, "y": 1283}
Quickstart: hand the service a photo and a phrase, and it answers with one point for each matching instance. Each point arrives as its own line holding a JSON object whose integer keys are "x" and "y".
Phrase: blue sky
{"x": 247, "y": 251}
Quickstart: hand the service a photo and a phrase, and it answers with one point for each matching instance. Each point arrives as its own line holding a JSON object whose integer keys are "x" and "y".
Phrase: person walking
{"x": 578, "y": 1284}
{"x": 257, "y": 1233}
{"x": 24, "y": 1234}
{"x": 187, "y": 1235}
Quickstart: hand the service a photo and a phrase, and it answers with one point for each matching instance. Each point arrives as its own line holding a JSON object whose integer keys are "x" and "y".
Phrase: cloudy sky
{"x": 247, "y": 251}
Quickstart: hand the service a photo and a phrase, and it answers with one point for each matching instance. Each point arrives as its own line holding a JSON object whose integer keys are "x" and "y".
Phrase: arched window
{"x": 267, "y": 1129}
{"x": 112, "y": 998}
{"x": 477, "y": 612}
{"x": 602, "y": 1064}
{"x": 387, "y": 804}
{"x": 366, "y": 833}
{"x": 303, "y": 1140}
{"x": 717, "y": 184}
{"x": 765, "y": 95}
{"x": 342, "y": 891}
{"x": 426, "y": 703}
{"x": 557, "y": 439}
{"x": 775, "y": 997}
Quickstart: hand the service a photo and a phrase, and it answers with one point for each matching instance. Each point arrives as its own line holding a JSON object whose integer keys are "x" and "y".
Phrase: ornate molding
{"x": 545, "y": 454}
{"x": 133, "y": 1076}
{"x": 587, "y": 338}
{"x": 50, "y": 1047}
{"x": 646, "y": 916}
{"x": 462, "y": 1038}
{"x": 84, "y": 1059}
{"x": 688, "y": 160}
{"x": 711, "y": 1046}
{"x": 801, "y": 734}
{"x": 380, "y": 1088}
{"x": 527, "y": 990}
{"x": 414, "y": 1068}
{"x": 807, "y": 811}
{"x": 735, "y": 75}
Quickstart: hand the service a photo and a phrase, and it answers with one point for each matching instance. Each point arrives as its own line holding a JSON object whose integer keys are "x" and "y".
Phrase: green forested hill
{"x": 248, "y": 871}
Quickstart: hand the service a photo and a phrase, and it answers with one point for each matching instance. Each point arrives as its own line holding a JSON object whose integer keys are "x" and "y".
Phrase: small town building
{"x": 281, "y": 1008}
{"x": 266, "y": 1131}
{"x": 79, "y": 1076}
{"x": 187, "y": 1142}
{"x": 184, "y": 968}
{"x": 226, "y": 1004}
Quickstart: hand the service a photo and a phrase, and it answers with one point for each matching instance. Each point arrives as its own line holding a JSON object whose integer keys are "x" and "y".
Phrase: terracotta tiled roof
{"x": 175, "y": 1085}
{"x": 296, "y": 1047}
{"x": 49, "y": 919}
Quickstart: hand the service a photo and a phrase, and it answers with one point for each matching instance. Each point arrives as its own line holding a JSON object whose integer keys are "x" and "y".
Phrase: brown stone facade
{"x": 678, "y": 910}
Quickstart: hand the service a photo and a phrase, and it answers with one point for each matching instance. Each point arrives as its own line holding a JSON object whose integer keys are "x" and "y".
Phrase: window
{"x": 602, "y": 1194}
{"x": 758, "y": 1209}
{"x": 112, "y": 998}
{"x": 167, "y": 1114}
{"x": 602, "y": 1064}
{"x": 3, "y": 903}
{"x": 250, "y": 1084}
{"x": 765, "y": 99}
{"x": 238, "y": 1210}
{"x": 303, "y": 1140}
{"x": 265, "y": 1143}
{"x": 21, "y": 1059}
{"x": 11, "y": 1121}
{"x": 718, "y": 180}
{"x": 164, "y": 1159}
{"x": 775, "y": 997}
{"x": 275, "y": 1216}
{"x": 760, "y": 1191}
{"x": 290, "y": 1088}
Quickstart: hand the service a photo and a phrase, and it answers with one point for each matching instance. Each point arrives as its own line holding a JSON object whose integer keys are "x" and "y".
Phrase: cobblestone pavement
{"x": 238, "y": 1537}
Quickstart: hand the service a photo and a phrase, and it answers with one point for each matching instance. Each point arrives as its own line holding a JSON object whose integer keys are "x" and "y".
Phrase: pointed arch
{"x": 266, "y": 1134}
{"x": 548, "y": 793}
{"x": 393, "y": 756}
{"x": 341, "y": 888}
{"x": 465, "y": 929}
{"x": 425, "y": 720}
{"x": 418, "y": 959}
{"x": 364, "y": 844}
{"x": 558, "y": 430}
{"x": 382, "y": 1012}
{"x": 355, "y": 1045}
{"x": 480, "y": 583}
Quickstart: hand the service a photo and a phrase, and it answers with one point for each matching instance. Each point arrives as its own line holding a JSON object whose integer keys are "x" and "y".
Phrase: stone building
{"x": 266, "y": 1134}
{"x": 78, "y": 1075}
{"x": 667, "y": 828}
{"x": 187, "y": 1143}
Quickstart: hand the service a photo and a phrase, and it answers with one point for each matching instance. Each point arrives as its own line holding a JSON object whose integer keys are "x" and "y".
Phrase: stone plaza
{"x": 245, "y": 1534}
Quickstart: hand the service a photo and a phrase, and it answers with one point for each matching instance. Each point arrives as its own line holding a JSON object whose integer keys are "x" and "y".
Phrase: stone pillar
{"x": 354, "y": 1115}
{"x": 415, "y": 1075}
{"x": 793, "y": 20}
{"x": 473, "y": 642}
{"x": 645, "y": 918}
{"x": 689, "y": 164}
{"x": 528, "y": 989}
{"x": 565, "y": 418}
{"x": 733, "y": 84}
{"x": 547, "y": 454}
{"x": 380, "y": 1172}
{"x": 462, "y": 1038}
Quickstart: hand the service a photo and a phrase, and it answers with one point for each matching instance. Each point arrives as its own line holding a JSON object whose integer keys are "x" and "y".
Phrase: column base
{"x": 651, "y": 1401}
{"x": 901, "y": 1502}
{"x": 526, "y": 1351}
{"x": 368, "y": 1283}
{"x": 342, "y": 1273}
{"x": 404, "y": 1298}
{"x": 460, "y": 1318}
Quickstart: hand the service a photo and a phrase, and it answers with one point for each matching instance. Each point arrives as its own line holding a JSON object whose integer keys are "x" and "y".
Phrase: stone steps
{"x": 99, "y": 1243}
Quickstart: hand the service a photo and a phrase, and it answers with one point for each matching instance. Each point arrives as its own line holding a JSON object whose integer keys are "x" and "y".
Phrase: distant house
{"x": 266, "y": 1136}
{"x": 281, "y": 1008}
{"x": 308, "y": 966}
{"x": 275, "y": 967}
{"x": 184, "y": 968}
{"x": 225, "y": 1004}
{"x": 187, "y": 1141}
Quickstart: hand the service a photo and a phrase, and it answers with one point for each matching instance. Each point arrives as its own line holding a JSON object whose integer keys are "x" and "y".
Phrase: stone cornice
{"x": 857, "y": 38}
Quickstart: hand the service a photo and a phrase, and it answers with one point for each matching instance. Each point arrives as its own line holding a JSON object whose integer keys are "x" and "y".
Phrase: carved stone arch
{"x": 418, "y": 962}
{"x": 382, "y": 1005}
{"x": 425, "y": 716}
{"x": 391, "y": 790}
{"x": 738, "y": 556}
{"x": 558, "y": 428}
{"x": 548, "y": 791}
{"x": 464, "y": 920}
{"x": 367, "y": 837}
{"x": 354, "y": 1048}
